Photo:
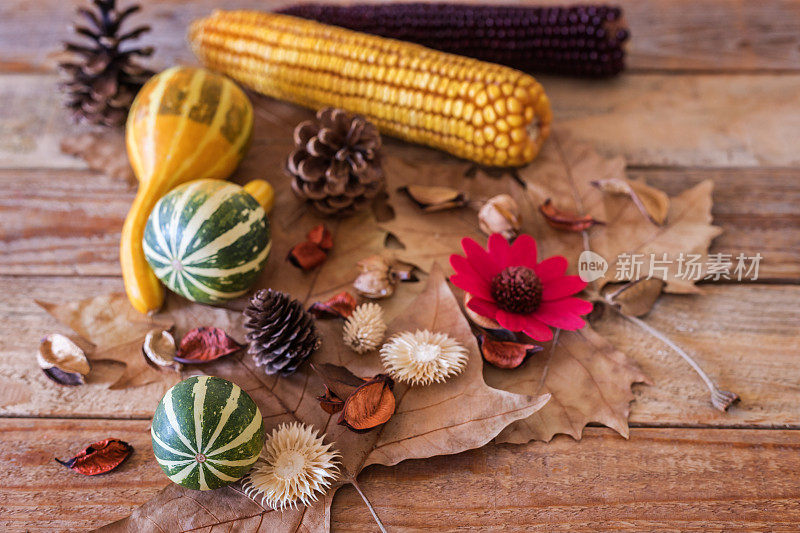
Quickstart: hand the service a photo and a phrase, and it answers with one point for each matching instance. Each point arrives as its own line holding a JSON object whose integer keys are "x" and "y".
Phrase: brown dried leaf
{"x": 638, "y": 297}
{"x": 653, "y": 203}
{"x": 118, "y": 331}
{"x": 206, "y": 344}
{"x": 431, "y": 198}
{"x": 103, "y": 152}
{"x": 337, "y": 379}
{"x": 564, "y": 221}
{"x": 445, "y": 418}
{"x": 340, "y": 305}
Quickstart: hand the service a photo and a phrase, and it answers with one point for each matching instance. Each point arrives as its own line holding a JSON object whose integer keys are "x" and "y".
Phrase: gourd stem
{"x": 369, "y": 505}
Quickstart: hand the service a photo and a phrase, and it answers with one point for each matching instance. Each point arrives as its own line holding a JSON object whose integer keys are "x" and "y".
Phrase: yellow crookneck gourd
{"x": 185, "y": 124}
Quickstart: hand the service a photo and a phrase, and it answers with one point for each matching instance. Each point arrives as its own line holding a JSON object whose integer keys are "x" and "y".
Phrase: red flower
{"x": 508, "y": 285}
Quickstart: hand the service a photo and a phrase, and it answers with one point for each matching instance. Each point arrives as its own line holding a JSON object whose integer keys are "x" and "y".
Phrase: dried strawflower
{"x": 364, "y": 330}
{"x": 564, "y": 221}
{"x": 62, "y": 360}
{"x": 500, "y": 214}
{"x": 508, "y": 285}
{"x": 295, "y": 467}
{"x": 423, "y": 357}
{"x": 159, "y": 347}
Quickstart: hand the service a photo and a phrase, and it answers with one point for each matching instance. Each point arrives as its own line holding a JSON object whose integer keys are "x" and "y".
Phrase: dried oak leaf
{"x": 99, "y": 458}
{"x": 431, "y": 198}
{"x": 451, "y": 417}
{"x": 117, "y": 331}
{"x": 564, "y": 221}
{"x": 206, "y": 344}
{"x": 339, "y": 305}
{"x": 637, "y": 297}
{"x": 565, "y": 170}
{"x": 653, "y": 203}
{"x": 103, "y": 152}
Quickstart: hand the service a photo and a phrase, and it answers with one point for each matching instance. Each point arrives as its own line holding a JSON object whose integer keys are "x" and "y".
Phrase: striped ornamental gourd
{"x": 207, "y": 433}
{"x": 185, "y": 124}
{"x": 487, "y": 113}
{"x": 207, "y": 240}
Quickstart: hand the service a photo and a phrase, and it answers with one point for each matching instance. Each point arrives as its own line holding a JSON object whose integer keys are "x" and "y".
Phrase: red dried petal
{"x": 564, "y": 221}
{"x": 307, "y": 255}
{"x": 100, "y": 457}
{"x": 206, "y": 344}
{"x": 341, "y": 305}
{"x": 506, "y": 354}
{"x": 321, "y": 236}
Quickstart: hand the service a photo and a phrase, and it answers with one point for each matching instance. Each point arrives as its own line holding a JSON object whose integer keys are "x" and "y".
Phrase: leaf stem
{"x": 720, "y": 399}
{"x": 368, "y": 504}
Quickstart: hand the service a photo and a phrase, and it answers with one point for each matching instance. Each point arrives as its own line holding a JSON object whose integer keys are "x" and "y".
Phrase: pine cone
{"x": 280, "y": 333}
{"x": 336, "y": 164}
{"x": 100, "y": 78}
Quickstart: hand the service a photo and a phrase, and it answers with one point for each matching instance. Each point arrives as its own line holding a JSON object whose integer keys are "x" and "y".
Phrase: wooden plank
{"x": 709, "y": 35}
{"x": 35, "y": 204}
{"x": 661, "y": 479}
{"x": 650, "y": 119}
{"x": 744, "y": 335}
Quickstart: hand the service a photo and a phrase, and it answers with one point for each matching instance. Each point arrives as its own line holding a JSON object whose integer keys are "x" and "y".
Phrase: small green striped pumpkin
{"x": 207, "y": 240}
{"x": 207, "y": 433}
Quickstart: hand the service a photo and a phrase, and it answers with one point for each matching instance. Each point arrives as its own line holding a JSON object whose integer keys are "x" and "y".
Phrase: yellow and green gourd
{"x": 207, "y": 433}
{"x": 185, "y": 124}
{"x": 208, "y": 240}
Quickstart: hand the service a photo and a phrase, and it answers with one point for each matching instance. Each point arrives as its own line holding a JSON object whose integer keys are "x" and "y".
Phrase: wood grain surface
{"x": 711, "y": 93}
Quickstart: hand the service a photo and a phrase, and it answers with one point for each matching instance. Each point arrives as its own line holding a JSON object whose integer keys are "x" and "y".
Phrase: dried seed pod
{"x": 159, "y": 347}
{"x": 564, "y": 221}
{"x": 431, "y": 198}
{"x": 364, "y": 330}
{"x": 99, "y": 458}
{"x": 500, "y": 214}
{"x": 62, "y": 360}
{"x": 294, "y": 467}
{"x": 423, "y": 357}
{"x": 375, "y": 279}
{"x": 338, "y": 306}
{"x": 506, "y": 354}
{"x": 370, "y": 405}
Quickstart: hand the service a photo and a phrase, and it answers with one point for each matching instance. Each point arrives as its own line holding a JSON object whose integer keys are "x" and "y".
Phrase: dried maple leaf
{"x": 117, "y": 331}
{"x": 103, "y": 152}
{"x": 565, "y": 170}
{"x": 446, "y": 418}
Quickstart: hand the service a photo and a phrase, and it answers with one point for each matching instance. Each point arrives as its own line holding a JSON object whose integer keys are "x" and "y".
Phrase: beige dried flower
{"x": 500, "y": 214}
{"x": 294, "y": 467}
{"x": 423, "y": 357}
{"x": 365, "y": 328}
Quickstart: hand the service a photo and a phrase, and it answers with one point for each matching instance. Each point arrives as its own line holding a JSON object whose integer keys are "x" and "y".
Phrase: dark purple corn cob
{"x": 579, "y": 40}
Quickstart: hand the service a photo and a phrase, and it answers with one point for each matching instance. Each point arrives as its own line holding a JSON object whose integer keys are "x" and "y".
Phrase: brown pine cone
{"x": 280, "y": 333}
{"x": 336, "y": 165}
{"x": 100, "y": 77}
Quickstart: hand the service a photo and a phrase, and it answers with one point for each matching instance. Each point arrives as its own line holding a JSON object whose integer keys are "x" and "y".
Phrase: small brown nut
{"x": 375, "y": 279}
{"x": 500, "y": 214}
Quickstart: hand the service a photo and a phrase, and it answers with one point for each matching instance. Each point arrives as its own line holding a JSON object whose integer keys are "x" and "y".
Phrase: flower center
{"x": 517, "y": 289}
{"x": 427, "y": 352}
{"x": 289, "y": 464}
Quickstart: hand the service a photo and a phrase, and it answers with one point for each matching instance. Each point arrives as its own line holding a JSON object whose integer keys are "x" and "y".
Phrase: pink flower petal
{"x": 499, "y": 249}
{"x": 479, "y": 259}
{"x": 563, "y": 313}
{"x": 562, "y": 287}
{"x": 564, "y": 321}
{"x": 575, "y": 306}
{"x": 551, "y": 268}
{"x": 483, "y": 307}
{"x": 523, "y": 252}
{"x": 536, "y": 330}
{"x": 467, "y": 279}
{"x": 511, "y": 321}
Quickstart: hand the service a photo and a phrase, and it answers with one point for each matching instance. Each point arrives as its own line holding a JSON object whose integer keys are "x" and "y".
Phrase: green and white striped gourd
{"x": 207, "y": 240}
{"x": 207, "y": 433}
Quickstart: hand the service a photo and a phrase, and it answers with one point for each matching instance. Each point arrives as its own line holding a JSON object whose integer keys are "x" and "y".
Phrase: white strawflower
{"x": 294, "y": 467}
{"x": 423, "y": 357}
{"x": 365, "y": 328}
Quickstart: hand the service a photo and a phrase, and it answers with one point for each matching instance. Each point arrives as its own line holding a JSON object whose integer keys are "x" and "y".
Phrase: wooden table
{"x": 713, "y": 91}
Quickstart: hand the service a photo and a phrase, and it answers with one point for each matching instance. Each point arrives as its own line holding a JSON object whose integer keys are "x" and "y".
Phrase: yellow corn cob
{"x": 487, "y": 113}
